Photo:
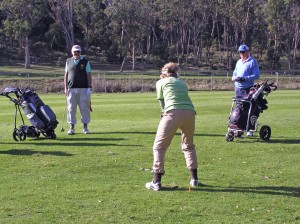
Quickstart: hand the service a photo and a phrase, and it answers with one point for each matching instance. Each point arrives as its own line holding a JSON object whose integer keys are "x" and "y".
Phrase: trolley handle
{"x": 241, "y": 100}
{"x": 6, "y": 94}
{"x": 272, "y": 86}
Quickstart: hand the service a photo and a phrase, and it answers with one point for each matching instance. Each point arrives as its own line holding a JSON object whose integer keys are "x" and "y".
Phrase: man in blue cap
{"x": 245, "y": 73}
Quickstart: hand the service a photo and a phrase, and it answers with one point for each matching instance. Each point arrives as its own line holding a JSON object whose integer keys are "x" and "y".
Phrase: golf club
{"x": 64, "y": 116}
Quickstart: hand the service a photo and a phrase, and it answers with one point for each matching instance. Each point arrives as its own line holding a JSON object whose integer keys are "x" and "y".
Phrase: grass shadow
{"x": 76, "y": 141}
{"x": 28, "y": 152}
{"x": 269, "y": 190}
{"x": 284, "y": 141}
{"x": 270, "y": 141}
{"x": 154, "y": 133}
{"x": 77, "y": 144}
{"x": 74, "y": 138}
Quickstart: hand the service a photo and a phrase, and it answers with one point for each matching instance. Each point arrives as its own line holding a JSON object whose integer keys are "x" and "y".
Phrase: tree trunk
{"x": 62, "y": 13}
{"x": 148, "y": 48}
{"x": 177, "y": 52}
{"x": 27, "y": 55}
{"x": 133, "y": 56}
{"x": 122, "y": 65}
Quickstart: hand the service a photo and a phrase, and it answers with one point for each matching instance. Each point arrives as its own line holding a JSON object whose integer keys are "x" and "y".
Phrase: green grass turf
{"x": 100, "y": 177}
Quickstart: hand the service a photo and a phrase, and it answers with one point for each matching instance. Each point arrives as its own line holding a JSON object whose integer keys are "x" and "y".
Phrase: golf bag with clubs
{"x": 244, "y": 113}
{"x": 42, "y": 118}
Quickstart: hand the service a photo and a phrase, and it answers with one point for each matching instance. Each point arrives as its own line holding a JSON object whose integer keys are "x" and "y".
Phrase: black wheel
{"x": 53, "y": 136}
{"x": 50, "y": 135}
{"x": 19, "y": 135}
{"x": 229, "y": 136}
{"x": 265, "y": 132}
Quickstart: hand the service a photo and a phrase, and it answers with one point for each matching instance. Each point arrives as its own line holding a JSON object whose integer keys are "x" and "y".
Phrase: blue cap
{"x": 243, "y": 48}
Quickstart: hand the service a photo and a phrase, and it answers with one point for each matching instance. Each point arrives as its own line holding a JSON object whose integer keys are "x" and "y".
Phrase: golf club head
{"x": 62, "y": 130}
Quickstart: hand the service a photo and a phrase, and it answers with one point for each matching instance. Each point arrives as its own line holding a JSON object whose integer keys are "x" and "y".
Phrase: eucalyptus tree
{"x": 241, "y": 14}
{"x": 149, "y": 13}
{"x": 174, "y": 17}
{"x": 282, "y": 17}
{"x": 211, "y": 36}
{"x": 21, "y": 17}
{"x": 239, "y": 25}
{"x": 91, "y": 19}
{"x": 295, "y": 30}
{"x": 259, "y": 35}
{"x": 62, "y": 12}
{"x": 128, "y": 26}
{"x": 201, "y": 26}
{"x": 227, "y": 35}
{"x": 198, "y": 26}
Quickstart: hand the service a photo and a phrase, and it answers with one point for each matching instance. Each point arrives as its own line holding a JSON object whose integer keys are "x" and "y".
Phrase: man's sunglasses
{"x": 76, "y": 52}
{"x": 242, "y": 52}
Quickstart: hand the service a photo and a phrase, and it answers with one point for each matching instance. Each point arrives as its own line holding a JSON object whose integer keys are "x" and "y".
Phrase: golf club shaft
{"x": 64, "y": 115}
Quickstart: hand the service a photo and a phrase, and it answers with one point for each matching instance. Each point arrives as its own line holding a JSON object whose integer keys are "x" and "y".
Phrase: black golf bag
{"x": 240, "y": 114}
{"x": 244, "y": 112}
{"x": 41, "y": 117}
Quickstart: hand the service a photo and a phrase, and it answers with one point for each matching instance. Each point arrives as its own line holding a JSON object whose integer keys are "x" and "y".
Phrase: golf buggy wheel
{"x": 50, "y": 134}
{"x": 265, "y": 132}
{"x": 229, "y": 136}
{"x": 19, "y": 135}
{"x": 53, "y": 135}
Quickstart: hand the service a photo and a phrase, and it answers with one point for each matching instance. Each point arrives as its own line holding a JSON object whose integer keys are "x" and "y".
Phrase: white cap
{"x": 76, "y": 48}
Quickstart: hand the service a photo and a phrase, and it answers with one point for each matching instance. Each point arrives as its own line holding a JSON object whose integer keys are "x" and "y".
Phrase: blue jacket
{"x": 249, "y": 70}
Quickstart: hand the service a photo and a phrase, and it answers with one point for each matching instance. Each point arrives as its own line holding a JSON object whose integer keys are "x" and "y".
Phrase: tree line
{"x": 190, "y": 32}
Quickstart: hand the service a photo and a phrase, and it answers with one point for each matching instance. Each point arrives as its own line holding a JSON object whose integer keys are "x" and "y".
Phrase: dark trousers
{"x": 241, "y": 92}
{"x": 241, "y": 107}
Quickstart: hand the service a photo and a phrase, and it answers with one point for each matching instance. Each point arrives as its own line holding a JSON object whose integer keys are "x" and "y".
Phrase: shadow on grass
{"x": 153, "y": 133}
{"x": 28, "y": 152}
{"x": 74, "y": 138}
{"x": 284, "y": 141}
{"x": 75, "y": 141}
{"x": 76, "y": 144}
{"x": 270, "y": 190}
{"x": 271, "y": 141}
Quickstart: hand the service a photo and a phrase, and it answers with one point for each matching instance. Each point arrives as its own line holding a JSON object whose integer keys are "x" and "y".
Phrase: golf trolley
{"x": 41, "y": 117}
{"x": 245, "y": 112}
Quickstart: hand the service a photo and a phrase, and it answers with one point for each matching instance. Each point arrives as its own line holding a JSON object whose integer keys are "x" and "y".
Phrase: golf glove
{"x": 240, "y": 79}
{"x": 89, "y": 91}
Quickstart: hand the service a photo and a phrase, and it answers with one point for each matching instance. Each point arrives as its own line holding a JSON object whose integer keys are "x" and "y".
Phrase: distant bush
{"x": 102, "y": 85}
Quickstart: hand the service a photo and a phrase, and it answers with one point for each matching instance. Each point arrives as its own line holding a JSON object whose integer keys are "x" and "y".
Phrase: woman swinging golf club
{"x": 177, "y": 113}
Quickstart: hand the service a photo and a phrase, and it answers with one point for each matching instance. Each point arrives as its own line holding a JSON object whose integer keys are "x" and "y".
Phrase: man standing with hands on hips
{"x": 78, "y": 89}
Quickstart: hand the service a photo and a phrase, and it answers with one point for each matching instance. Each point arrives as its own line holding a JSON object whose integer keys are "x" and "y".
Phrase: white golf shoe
{"x": 194, "y": 183}
{"x": 153, "y": 186}
{"x": 85, "y": 130}
{"x": 249, "y": 133}
{"x": 71, "y": 131}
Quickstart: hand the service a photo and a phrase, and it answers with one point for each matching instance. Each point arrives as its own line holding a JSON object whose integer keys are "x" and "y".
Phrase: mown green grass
{"x": 46, "y": 71}
{"x": 100, "y": 177}
{"x": 15, "y": 70}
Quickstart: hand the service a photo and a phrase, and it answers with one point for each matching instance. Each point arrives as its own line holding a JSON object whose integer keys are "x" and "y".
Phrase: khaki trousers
{"x": 168, "y": 125}
{"x": 78, "y": 96}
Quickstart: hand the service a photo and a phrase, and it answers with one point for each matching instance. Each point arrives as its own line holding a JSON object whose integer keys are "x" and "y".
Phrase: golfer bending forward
{"x": 177, "y": 113}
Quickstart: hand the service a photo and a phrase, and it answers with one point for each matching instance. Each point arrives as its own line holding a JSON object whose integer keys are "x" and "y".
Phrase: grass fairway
{"x": 100, "y": 177}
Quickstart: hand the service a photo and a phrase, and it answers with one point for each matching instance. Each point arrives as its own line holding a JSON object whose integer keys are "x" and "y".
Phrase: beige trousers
{"x": 78, "y": 97}
{"x": 168, "y": 125}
